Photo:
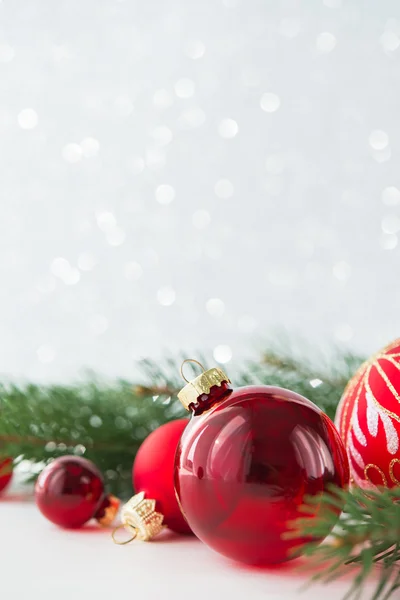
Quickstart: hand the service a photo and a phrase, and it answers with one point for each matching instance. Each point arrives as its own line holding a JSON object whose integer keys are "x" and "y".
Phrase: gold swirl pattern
{"x": 381, "y": 473}
{"x": 362, "y": 380}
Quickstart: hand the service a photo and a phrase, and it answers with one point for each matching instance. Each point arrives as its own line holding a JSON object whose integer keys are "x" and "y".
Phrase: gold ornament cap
{"x": 140, "y": 519}
{"x": 201, "y": 384}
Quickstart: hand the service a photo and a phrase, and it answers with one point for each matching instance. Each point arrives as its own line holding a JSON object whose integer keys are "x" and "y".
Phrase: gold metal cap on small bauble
{"x": 201, "y": 384}
{"x": 140, "y": 518}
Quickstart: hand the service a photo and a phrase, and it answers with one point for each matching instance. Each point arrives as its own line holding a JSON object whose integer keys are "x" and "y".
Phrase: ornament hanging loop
{"x": 123, "y": 542}
{"x": 191, "y": 360}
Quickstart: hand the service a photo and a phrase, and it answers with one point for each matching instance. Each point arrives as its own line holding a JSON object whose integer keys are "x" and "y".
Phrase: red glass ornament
{"x": 245, "y": 463}
{"x": 368, "y": 419}
{"x": 6, "y": 465}
{"x": 153, "y": 472}
{"x": 70, "y": 491}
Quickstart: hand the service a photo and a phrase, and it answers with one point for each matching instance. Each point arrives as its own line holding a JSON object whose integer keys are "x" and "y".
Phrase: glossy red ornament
{"x": 153, "y": 472}
{"x": 6, "y": 465}
{"x": 70, "y": 491}
{"x": 245, "y": 463}
{"x": 368, "y": 419}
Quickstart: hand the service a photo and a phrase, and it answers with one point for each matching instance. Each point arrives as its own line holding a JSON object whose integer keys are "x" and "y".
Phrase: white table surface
{"x": 41, "y": 561}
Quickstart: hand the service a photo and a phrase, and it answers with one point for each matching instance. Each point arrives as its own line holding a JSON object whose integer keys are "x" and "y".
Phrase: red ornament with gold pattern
{"x": 246, "y": 462}
{"x": 368, "y": 419}
{"x": 70, "y": 491}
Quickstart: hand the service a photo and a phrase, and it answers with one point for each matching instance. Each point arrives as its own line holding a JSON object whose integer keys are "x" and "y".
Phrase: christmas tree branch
{"x": 107, "y": 422}
{"x": 367, "y": 534}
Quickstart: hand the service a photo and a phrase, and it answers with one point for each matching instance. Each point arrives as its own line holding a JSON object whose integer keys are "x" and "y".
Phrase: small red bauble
{"x": 246, "y": 462}
{"x": 153, "y": 472}
{"x": 70, "y": 491}
{"x": 6, "y": 465}
{"x": 368, "y": 419}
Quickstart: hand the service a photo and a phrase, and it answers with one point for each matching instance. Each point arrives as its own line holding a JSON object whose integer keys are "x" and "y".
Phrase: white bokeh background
{"x": 180, "y": 175}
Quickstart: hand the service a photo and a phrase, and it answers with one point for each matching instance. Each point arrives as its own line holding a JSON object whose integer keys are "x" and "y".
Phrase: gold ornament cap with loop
{"x": 140, "y": 518}
{"x": 202, "y": 384}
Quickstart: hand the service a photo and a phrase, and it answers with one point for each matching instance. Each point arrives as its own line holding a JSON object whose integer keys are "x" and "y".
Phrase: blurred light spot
{"x": 215, "y": 307}
{"x": 389, "y": 241}
{"x": 222, "y": 353}
{"x": 162, "y": 98}
{"x": 326, "y": 42}
{"x": 27, "y": 118}
{"x": 90, "y": 147}
{"x": 228, "y": 128}
{"x": 270, "y": 102}
{"x": 72, "y": 153}
{"x": 247, "y": 324}
{"x": 95, "y": 421}
{"x": 382, "y": 156}
{"x": 343, "y": 333}
{"x": 6, "y": 53}
{"x": 45, "y": 353}
{"x": 389, "y": 41}
{"x": 390, "y": 224}
{"x": 195, "y": 49}
{"x": 166, "y": 296}
{"x": 333, "y": 3}
{"x": 224, "y": 189}
{"x": 60, "y": 267}
{"x": 46, "y": 285}
{"x": 316, "y": 382}
{"x": 342, "y": 270}
{"x": 50, "y": 446}
{"x": 378, "y": 139}
{"x": 165, "y": 194}
{"x": 289, "y": 28}
{"x": 79, "y": 449}
{"x": 106, "y": 221}
{"x": 191, "y": 118}
{"x": 98, "y": 324}
{"x": 155, "y": 158}
{"x": 86, "y": 261}
{"x": 133, "y": 271}
{"x": 115, "y": 236}
{"x": 184, "y": 88}
{"x": 136, "y": 164}
{"x": 162, "y": 135}
{"x": 390, "y": 196}
{"x": 201, "y": 219}
{"x": 121, "y": 423}
{"x": 275, "y": 164}
{"x": 123, "y": 106}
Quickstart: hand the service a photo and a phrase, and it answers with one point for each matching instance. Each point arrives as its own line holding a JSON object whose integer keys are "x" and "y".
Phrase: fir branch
{"x": 367, "y": 534}
{"x": 105, "y": 423}
{"x": 108, "y": 422}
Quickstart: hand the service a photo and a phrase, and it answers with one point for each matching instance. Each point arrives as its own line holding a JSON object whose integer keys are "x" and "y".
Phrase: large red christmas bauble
{"x": 153, "y": 472}
{"x": 70, "y": 491}
{"x": 246, "y": 462}
{"x": 368, "y": 419}
{"x": 6, "y": 465}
